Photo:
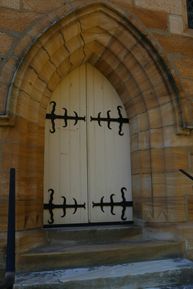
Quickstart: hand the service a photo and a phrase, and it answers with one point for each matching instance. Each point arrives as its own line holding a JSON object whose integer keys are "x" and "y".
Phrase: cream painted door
{"x": 87, "y": 153}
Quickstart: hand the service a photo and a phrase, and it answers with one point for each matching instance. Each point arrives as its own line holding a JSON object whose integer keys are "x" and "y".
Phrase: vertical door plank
{"x": 108, "y": 152}
{"x": 65, "y": 152}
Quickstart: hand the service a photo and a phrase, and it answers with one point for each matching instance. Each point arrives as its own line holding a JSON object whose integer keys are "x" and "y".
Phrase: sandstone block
{"x": 5, "y": 42}
{"x": 172, "y": 139}
{"x": 59, "y": 56}
{"x": 134, "y": 142}
{"x": 156, "y": 20}
{"x": 12, "y": 20}
{"x": 184, "y": 65}
{"x": 131, "y": 88}
{"x": 150, "y": 99}
{"x": 144, "y": 161}
{"x": 187, "y": 84}
{"x": 189, "y": 207}
{"x": 111, "y": 59}
{"x": 54, "y": 80}
{"x": 170, "y": 6}
{"x": 104, "y": 67}
{"x": 167, "y": 114}
{"x": 176, "y": 24}
{"x": 29, "y": 239}
{"x": 144, "y": 140}
{"x": 40, "y": 60}
{"x": 65, "y": 67}
{"x": 46, "y": 73}
{"x": 135, "y": 106}
{"x": 42, "y": 6}
{"x": 136, "y": 186}
{"x": 74, "y": 44}
{"x": 55, "y": 43}
{"x": 3, "y": 216}
{"x": 71, "y": 31}
{"x": 96, "y": 34}
{"x": 146, "y": 187}
{"x": 77, "y": 58}
{"x": 31, "y": 84}
{"x": 157, "y": 161}
{"x": 127, "y": 39}
{"x": 3, "y": 93}
{"x": 143, "y": 121}
{"x": 155, "y": 119}
{"x": 134, "y": 125}
{"x": 176, "y": 44}
{"x": 135, "y": 161}
{"x": 156, "y": 138}
{"x": 100, "y": 19}
{"x": 14, "y": 4}
{"x": 176, "y": 158}
{"x": 8, "y": 70}
{"x": 28, "y": 216}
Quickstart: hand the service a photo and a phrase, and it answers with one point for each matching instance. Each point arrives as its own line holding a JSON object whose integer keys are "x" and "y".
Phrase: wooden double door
{"x": 87, "y": 152}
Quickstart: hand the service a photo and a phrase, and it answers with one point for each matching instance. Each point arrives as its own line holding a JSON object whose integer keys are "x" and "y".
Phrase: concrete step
{"x": 90, "y": 234}
{"x": 140, "y": 275}
{"x": 71, "y": 255}
{"x": 173, "y": 287}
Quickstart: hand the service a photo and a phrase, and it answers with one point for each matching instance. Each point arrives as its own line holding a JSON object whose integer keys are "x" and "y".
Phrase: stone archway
{"x": 104, "y": 37}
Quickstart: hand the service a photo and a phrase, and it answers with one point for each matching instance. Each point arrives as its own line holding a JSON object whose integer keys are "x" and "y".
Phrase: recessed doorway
{"x": 87, "y": 153}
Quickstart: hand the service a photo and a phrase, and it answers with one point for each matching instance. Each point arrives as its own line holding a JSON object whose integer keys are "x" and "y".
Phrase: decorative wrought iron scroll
{"x": 53, "y": 116}
{"x": 190, "y": 13}
{"x": 51, "y": 206}
{"x": 112, "y": 204}
{"x": 120, "y": 119}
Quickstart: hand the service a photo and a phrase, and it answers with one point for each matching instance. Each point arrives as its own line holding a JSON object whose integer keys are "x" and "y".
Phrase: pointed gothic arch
{"x": 108, "y": 40}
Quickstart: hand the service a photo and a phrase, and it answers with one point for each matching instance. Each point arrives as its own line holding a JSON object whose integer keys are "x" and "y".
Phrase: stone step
{"x": 68, "y": 255}
{"x": 173, "y": 287}
{"x": 140, "y": 275}
{"x": 97, "y": 234}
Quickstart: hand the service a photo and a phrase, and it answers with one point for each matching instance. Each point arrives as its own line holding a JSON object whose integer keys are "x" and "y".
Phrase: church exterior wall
{"x": 145, "y": 50}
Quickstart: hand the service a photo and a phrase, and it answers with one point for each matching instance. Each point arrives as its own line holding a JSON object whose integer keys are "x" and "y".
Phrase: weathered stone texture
{"x": 16, "y": 21}
{"x": 14, "y": 4}
{"x": 181, "y": 45}
{"x": 176, "y": 158}
{"x": 170, "y": 6}
{"x": 3, "y": 91}
{"x": 155, "y": 20}
{"x": 155, "y": 120}
{"x": 5, "y": 42}
{"x": 32, "y": 9}
{"x": 103, "y": 38}
{"x": 176, "y": 24}
{"x": 156, "y": 138}
{"x": 184, "y": 66}
{"x": 43, "y": 5}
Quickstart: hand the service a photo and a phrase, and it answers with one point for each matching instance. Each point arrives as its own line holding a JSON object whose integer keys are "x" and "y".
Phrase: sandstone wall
{"x": 159, "y": 103}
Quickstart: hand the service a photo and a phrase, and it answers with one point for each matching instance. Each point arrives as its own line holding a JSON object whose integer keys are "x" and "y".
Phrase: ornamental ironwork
{"x": 120, "y": 119}
{"x": 50, "y": 206}
{"x": 112, "y": 204}
{"x": 53, "y": 116}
